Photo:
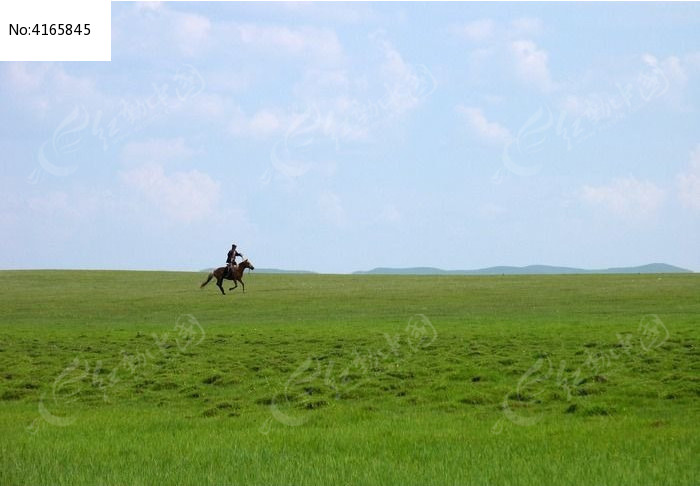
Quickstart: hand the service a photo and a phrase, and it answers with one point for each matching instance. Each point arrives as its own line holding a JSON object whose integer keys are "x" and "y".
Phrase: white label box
{"x": 55, "y": 30}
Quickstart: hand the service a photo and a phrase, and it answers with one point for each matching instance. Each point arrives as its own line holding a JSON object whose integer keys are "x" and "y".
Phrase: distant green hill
{"x": 528, "y": 270}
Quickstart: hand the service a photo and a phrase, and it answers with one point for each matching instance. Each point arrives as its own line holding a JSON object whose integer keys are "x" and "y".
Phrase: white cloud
{"x": 689, "y": 181}
{"x": 192, "y": 32}
{"x": 321, "y": 44}
{"x": 488, "y": 30}
{"x": 41, "y": 85}
{"x": 163, "y": 29}
{"x": 210, "y": 106}
{"x": 32, "y": 77}
{"x": 332, "y": 12}
{"x": 628, "y": 198}
{"x": 24, "y": 76}
{"x": 148, "y": 6}
{"x": 351, "y": 105}
{"x": 338, "y": 105}
{"x": 488, "y": 131}
{"x": 666, "y": 78}
{"x": 183, "y": 196}
{"x": 298, "y": 129}
{"x": 264, "y": 123}
{"x": 671, "y": 67}
{"x": 476, "y": 31}
{"x": 629, "y": 87}
{"x": 406, "y": 85}
{"x": 531, "y": 64}
{"x": 157, "y": 150}
{"x": 333, "y": 104}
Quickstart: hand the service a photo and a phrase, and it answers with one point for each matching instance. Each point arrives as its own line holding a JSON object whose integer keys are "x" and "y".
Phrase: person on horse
{"x": 231, "y": 259}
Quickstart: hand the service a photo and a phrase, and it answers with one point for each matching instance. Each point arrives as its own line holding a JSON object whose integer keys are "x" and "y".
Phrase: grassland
{"x": 143, "y": 378}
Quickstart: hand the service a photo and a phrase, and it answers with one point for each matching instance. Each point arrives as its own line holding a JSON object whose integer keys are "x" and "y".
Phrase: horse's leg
{"x": 218, "y": 284}
{"x": 242, "y": 285}
{"x": 235, "y": 285}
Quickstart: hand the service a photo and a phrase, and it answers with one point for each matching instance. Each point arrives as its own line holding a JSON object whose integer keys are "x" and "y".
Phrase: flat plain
{"x": 144, "y": 378}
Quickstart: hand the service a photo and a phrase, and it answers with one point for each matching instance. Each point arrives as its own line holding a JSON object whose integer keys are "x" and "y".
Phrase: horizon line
{"x": 573, "y": 270}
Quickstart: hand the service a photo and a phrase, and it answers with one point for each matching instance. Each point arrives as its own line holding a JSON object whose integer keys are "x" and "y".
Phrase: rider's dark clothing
{"x": 231, "y": 256}
{"x": 231, "y": 260}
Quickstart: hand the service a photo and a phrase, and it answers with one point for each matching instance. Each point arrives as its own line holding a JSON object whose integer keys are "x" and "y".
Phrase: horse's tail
{"x": 211, "y": 275}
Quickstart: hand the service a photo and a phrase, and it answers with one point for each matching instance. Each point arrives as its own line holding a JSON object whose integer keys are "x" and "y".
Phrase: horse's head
{"x": 246, "y": 264}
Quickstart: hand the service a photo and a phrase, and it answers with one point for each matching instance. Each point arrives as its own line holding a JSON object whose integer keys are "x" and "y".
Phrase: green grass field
{"x": 143, "y": 378}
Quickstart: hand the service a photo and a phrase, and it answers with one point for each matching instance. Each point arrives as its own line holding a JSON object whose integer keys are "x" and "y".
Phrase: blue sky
{"x": 337, "y": 137}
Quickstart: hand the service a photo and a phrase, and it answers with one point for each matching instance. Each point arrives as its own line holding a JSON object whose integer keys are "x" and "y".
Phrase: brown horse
{"x": 236, "y": 275}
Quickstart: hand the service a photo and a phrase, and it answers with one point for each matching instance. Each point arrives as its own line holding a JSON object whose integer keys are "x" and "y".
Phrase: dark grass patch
{"x": 210, "y": 412}
{"x": 475, "y": 400}
{"x": 212, "y": 380}
{"x": 401, "y": 375}
{"x": 594, "y": 378}
{"x": 142, "y": 385}
{"x": 167, "y": 385}
{"x": 390, "y": 386}
{"x": 571, "y": 408}
{"x": 519, "y": 397}
{"x": 315, "y": 404}
{"x": 597, "y": 410}
{"x": 11, "y": 395}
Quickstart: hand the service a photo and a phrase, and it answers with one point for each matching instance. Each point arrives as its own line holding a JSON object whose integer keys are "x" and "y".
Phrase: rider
{"x": 231, "y": 259}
